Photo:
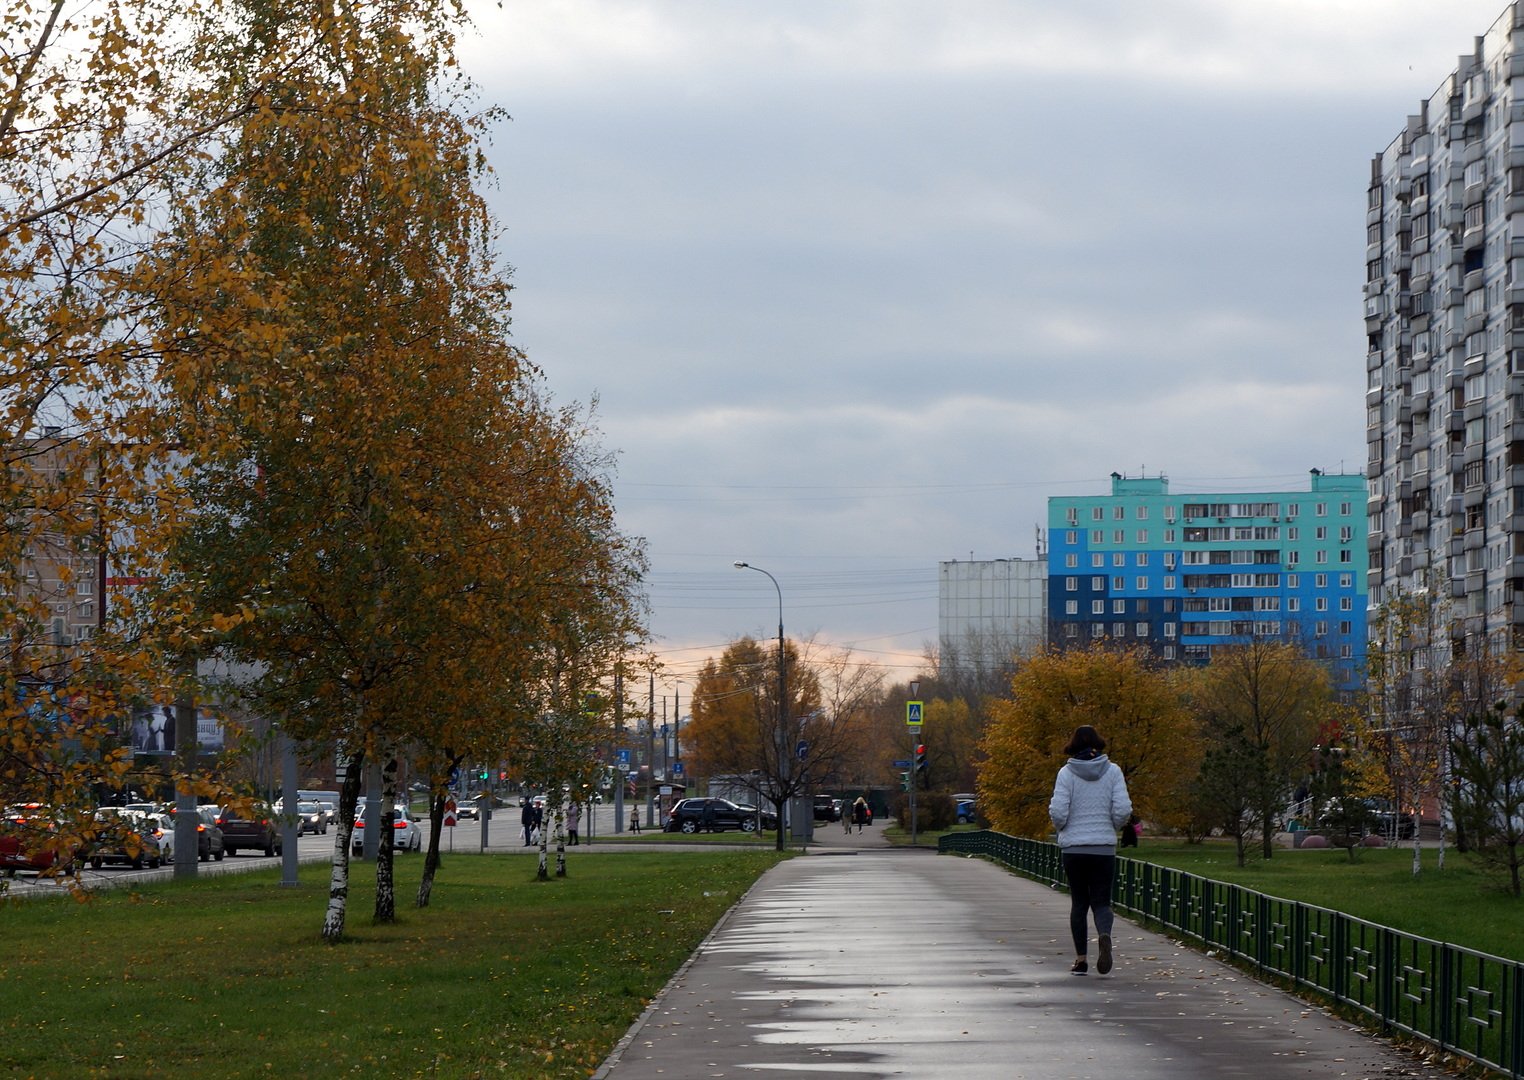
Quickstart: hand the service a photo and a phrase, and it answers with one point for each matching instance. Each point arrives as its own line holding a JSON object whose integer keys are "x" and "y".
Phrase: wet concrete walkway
{"x": 861, "y": 961}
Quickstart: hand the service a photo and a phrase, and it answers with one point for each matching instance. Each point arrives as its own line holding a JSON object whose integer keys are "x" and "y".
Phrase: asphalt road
{"x": 869, "y": 963}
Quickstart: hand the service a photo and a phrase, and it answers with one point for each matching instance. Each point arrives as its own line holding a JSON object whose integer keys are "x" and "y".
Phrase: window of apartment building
{"x": 1320, "y": 581}
{"x": 1293, "y": 533}
{"x": 84, "y": 588}
{"x": 1119, "y": 607}
{"x": 1169, "y": 582}
{"x": 1097, "y": 537}
{"x": 1071, "y": 514}
{"x": 1344, "y": 509}
{"x": 1071, "y": 607}
{"x": 1097, "y": 607}
{"x": 1142, "y": 513}
{"x": 1322, "y": 555}
{"x": 1346, "y": 603}
{"x": 1169, "y": 536}
{"x": 1119, "y": 583}
{"x": 1320, "y": 603}
{"x": 1346, "y": 534}
{"x": 1293, "y": 509}
{"x": 1346, "y": 651}
{"x": 1097, "y": 584}
{"x": 1140, "y": 629}
{"x": 1345, "y": 556}
{"x": 1293, "y": 603}
{"x": 1320, "y": 533}
{"x": 1141, "y": 559}
{"x": 1097, "y": 513}
{"x": 1321, "y": 509}
{"x": 1346, "y": 628}
{"x": 1071, "y": 584}
{"x": 1476, "y": 386}
{"x": 1071, "y": 536}
{"x": 1142, "y": 535}
{"x": 1346, "y": 581}
{"x": 1169, "y": 560}
{"x": 1169, "y": 650}
{"x": 1119, "y": 536}
{"x": 1097, "y": 630}
{"x": 1119, "y": 558}
{"x": 1097, "y": 560}
{"x": 1118, "y": 629}
{"x": 1141, "y": 584}
{"x": 1071, "y": 561}
{"x": 1169, "y": 629}
{"x": 1293, "y": 557}
{"x": 1320, "y": 629}
{"x": 1071, "y": 630}
{"x": 1293, "y": 581}
{"x": 1119, "y": 513}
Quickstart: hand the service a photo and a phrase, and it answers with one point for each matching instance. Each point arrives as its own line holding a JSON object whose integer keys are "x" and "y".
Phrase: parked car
{"x": 406, "y": 835}
{"x": 257, "y": 831}
{"x": 313, "y": 818}
{"x": 827, "y": 808}
{"x": 130, "y": 837}
{"x": 209, "y": 840}
{"x": 25, "y": 832}
{"x": 689, "y": 816}
{"x": 966, "y": 811}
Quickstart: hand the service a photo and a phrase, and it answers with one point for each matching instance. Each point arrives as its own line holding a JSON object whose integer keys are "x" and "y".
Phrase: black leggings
{"x": 1089, "y": 890}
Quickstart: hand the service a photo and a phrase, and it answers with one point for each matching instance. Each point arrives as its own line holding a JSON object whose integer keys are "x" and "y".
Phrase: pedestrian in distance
{"x": 573, "y": 820}
{"x": 526, "y": 819}
{"x": 1090, "y": 803}
{"x": 634, "y": 819}
{"x": 846, "y": 820}
{"x": 860, "y": 813}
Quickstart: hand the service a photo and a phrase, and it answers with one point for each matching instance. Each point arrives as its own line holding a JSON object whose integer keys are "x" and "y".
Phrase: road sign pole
{"x": 913, "y": 723}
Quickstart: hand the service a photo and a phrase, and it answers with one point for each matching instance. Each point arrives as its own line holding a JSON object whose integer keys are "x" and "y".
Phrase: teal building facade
{"x": 1184, "y": 574}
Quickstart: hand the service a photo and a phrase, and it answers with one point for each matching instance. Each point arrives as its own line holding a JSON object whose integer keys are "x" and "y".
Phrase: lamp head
{"x": 740, "y": 565}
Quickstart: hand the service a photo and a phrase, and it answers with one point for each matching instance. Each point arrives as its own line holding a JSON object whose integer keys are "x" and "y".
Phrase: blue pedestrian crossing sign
{"x": 913, "y": 713}
{"x": 622, "y": 756}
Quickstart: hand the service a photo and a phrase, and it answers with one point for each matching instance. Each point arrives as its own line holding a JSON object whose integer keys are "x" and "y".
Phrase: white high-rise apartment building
{"x": 1444, "y": 318}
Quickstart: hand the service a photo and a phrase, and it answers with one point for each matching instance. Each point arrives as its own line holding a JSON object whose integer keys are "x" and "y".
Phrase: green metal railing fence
{"x": 1464, "y": 1002}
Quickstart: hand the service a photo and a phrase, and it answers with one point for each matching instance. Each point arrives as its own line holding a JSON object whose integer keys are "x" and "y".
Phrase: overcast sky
{"x": 857, "y": 286}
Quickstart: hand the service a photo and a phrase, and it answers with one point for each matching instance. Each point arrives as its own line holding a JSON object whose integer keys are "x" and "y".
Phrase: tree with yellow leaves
{"x": 1119, "y": 692}
{"x": 1261, "y": 706}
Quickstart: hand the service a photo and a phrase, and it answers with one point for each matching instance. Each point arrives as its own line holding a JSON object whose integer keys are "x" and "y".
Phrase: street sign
{"x": 450, "y": 813}
{"x": 913, "y": 713}
{"x": 623, "y": 756}
{"x": 677, "y": 769}
{"x": 902, "y": 763}
{"x": 802, "y": 749}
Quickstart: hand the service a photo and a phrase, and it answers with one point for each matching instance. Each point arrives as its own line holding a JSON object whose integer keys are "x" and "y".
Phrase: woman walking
{"x": 1090, "y": 803}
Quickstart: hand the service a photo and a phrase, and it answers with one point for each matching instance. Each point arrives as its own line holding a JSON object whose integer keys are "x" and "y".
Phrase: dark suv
{"x": 259, "y": 830}
{"x": 697, "y": 815}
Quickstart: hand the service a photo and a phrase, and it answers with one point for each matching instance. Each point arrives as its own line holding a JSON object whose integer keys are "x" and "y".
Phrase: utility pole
{"x": 651, "y": 754}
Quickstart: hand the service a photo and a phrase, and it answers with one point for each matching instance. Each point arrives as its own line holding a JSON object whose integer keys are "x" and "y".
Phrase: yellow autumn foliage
{"x": 1118, "y": 691}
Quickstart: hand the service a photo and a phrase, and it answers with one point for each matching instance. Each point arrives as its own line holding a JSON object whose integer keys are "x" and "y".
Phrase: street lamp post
{"x": 782, "y": 733}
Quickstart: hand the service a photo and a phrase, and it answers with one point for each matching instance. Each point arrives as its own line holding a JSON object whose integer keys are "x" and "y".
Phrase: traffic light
{"x": 484, "y": 774}
{"x": 920, "y": 757}
{"x": 904, "y": 781}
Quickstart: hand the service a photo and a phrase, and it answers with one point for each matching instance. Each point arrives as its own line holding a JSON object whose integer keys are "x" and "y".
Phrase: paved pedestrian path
{"x": 862, "y": 961}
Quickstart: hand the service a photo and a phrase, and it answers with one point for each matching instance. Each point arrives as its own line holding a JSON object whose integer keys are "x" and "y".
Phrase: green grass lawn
{"x": 501, "y": 976}
{"x": 1461, "y": 905}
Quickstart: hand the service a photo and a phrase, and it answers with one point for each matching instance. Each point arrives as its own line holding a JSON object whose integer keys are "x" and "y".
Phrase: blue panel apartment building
{"x": 1181, "y": 575}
